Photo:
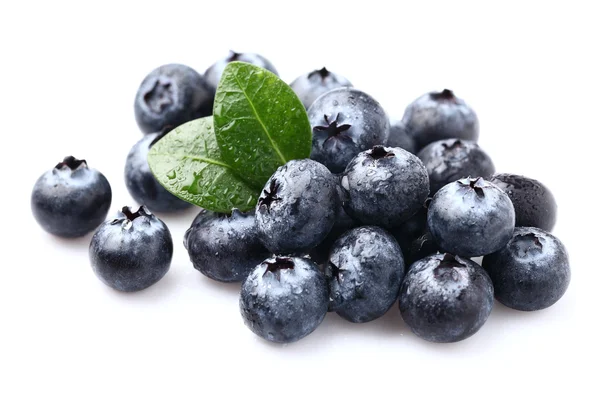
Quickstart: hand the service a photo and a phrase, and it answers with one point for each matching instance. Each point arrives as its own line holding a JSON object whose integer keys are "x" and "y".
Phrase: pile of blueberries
{"x": 379, "y": 214}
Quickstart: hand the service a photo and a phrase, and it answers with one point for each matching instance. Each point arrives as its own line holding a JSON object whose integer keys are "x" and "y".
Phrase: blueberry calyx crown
{"x": 457, "y": 144}
{"x": 160, "y": 96}
{"x": 335, "y": 271}
{"x": 72, "y": 163}
{"x": 323, "y": 72}
{"x": 477, "y": 184}
{"x": 443, "y": 96}
{"x": 131, "y": 216}
{"x": 332, "y": 128}
{"x": 527, "y": 243}
{"x": 378, "y": 152}
{"x": 447, "y": 266}
{"x": 233, "y": 56}
{"x": 270, "y": 195}
{"x": 274, "y": 265}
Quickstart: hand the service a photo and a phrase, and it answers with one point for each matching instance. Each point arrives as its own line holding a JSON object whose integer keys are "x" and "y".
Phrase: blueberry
{"x": 440, "y": 115}
{"x": 170, "y": 96}
{"x": 446, "y": 298}
{"x": 71, "y": 199}
{"x": 451, "y": 159}
{"x": 297, "y": 208}
{"x": 132, "y": 251}
{"x": 345, "y": 122}
{"x": 284, "y": 299}
{"x": 364, "y": 274}
{"x": 399, "y": 137}
{"x": 214, "y": 72}
{"x": 310, "y": 86}
{"x": 224, "y": 247}
{"x": 141, "y": 183}
{"x": 534, "y": 203}
{"x": 386, "y": 186}
{"x": 471, "y": 217}
{"x": 532, "y": 272}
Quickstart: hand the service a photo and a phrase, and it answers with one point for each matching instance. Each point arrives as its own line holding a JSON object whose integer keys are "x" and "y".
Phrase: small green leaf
{"x": 260, "y": 123}
{"x": 189, "y": 164}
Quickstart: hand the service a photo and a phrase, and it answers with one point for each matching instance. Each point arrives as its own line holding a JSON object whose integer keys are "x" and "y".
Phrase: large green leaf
{"x": 260, "y": 123}
{"x": 190, "y": 165}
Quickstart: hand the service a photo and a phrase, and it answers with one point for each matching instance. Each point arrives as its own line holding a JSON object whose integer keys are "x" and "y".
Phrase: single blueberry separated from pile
{"x": 132, "y": 251}
{"x": 141, "y": 183}
{"x": 532, "y": 272}
{"x": 171, "y": 95}
{"x": 224, "y": 247}
{"x": 471, "y": 217}
{"x": 284, "y": 299}
{"x": 71, "y": 199}
{"x": 364, "y": 273}
{"x": 399, "y": 137}
{"x": 213, "y": 74}
{"x": 310, "y": 86}
{"x": 386, "y": 186}
{"x": 345, "y": 122}
{"x": 440, "y": 115}
{"x": 451, "y": 159}
{"x": 534, "y": 203}
{"x": 446, "y": 298}
{"x": 297, "y": 207}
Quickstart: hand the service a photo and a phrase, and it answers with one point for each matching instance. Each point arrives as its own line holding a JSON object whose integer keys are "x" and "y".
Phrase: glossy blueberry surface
{"x": 449, "y": 160}
{"x": 224, "y": 247}
{"x": 532, "y": 272}
{"x": 440, "y": 115}
{"x": 71, "y": 199}
{"x": 446, "y": 298}
{"x": 141, "y": 183}
{"x": 471, "y": 217}
{"x": 386, "y": 186}
{"x": 399, "y": 137}
{"x": 310, "y": 86}
{"x": 169, "y": 96}
{"x": 345, "y": 122}
{"x": 297, "y": 207}
{"x": 284, "y": 299}
{"x": 364, "y": 273}
{"x": 132, "y": 251}
{"x": 534, "y": 203}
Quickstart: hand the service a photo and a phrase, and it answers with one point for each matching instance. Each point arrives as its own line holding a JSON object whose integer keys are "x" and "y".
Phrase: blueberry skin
{"x": 71, "y": 199}
{"x": 224, "y": 247}
{"x": 169, "y": 96}
{"x": 297, "y": 208}
{"x": 345, "y": 122}
{"x": 310, "y": 86}
{"x": 446, "y": 298}
{"x": 213, "y": 74}
{"x": 471, "y": 217}
{"x": 132, "y": 251}
{"x": 141, "y": 183}
{"x": 386, "y": 186}
{"x": 534, "y": 203}
{"x": 399, "y": 137}
{"x": 532, "y": 272}
{"x": 364, "y": 274}
{"x": 451, "y": 159}
{"x": 440, "y": 115}
{"x": 284, "y": 299}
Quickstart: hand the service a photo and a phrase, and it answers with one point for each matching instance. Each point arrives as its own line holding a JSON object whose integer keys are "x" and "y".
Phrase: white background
{"x": 69, "y": 75}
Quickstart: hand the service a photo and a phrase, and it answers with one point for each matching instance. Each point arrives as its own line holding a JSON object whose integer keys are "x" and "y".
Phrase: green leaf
{"x": 188, "y": 163}
{"x": 259, "y": 121}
